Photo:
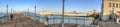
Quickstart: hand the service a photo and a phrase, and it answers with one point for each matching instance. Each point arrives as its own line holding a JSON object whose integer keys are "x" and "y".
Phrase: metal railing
{"x": 3, "y": 18}
{"x": 71, "y": 20}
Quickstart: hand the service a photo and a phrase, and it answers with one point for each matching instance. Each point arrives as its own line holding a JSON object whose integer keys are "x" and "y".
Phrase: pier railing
{"x": 3, "y": 18}
{"x": 71, "y": 20}
{"x": 57, "y": 20}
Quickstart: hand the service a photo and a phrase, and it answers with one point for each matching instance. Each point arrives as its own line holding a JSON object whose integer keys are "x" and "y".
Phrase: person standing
{"x": 46, "y": 21}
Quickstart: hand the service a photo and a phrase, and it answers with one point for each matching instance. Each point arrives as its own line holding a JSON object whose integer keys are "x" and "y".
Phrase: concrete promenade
{"x": 20, "y": 20}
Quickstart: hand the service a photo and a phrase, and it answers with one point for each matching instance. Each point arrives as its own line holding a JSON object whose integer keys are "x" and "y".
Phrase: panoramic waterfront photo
{"x": 59, "y": 13}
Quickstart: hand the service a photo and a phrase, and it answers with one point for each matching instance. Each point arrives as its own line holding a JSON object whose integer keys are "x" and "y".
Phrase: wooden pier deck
{"x": 19, "y": 20}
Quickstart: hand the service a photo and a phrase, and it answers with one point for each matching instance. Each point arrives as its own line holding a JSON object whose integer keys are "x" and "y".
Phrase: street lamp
{"x": 62, "y": 20}
{"x": 7, "y": 9}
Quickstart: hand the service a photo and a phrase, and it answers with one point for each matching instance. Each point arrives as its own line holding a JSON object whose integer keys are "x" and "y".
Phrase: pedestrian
{"x": 11, "y": 17}
{"x": 46, "y": 21}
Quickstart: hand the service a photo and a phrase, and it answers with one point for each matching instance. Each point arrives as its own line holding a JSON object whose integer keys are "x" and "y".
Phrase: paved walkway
{"x": 21, "y": 21}
{"x": 108, "y": 24}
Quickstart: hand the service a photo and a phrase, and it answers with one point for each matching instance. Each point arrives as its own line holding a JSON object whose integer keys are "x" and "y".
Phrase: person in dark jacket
{"x": 11, "y": 17}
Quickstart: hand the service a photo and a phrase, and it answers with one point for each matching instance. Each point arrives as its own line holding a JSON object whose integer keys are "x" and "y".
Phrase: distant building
{"x": 46, "y": 12}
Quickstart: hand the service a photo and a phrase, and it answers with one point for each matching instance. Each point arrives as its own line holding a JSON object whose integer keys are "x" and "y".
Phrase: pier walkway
{"x": 21, "y": 21}
{"x": 108, "y": 24}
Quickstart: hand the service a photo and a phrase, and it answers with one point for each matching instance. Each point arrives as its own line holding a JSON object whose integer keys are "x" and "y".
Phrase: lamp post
{"x": 102, "y": 10}
{"x": 62, "y": 13}
{"x": 7, "y": 9}
{"x": 28, "y": 10}
{"x": 34, "y": 12}
{"x": 11, "y": 11}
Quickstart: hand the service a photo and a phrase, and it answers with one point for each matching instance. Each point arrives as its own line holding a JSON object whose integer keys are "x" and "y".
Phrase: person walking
{"x": 46, "y": 21}
{"x": 11, "y": 17}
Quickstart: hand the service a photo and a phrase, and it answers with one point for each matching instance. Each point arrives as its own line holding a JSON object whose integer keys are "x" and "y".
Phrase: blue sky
{"x": 53, "y": 5}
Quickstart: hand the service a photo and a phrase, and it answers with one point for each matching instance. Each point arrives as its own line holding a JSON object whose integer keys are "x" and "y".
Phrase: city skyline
{"x": 53, "y": 5}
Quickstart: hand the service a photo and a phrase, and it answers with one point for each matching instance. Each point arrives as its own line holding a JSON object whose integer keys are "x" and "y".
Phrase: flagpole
{"x": 11, "y": 11}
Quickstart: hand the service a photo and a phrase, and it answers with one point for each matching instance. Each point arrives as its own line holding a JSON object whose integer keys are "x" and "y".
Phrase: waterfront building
{"x": 110, "y": 6}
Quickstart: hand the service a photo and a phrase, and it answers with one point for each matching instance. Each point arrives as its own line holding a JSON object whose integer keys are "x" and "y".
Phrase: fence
{"x": 57, "y": 19}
